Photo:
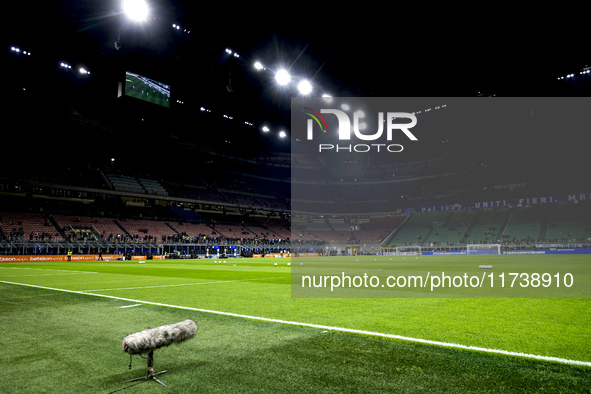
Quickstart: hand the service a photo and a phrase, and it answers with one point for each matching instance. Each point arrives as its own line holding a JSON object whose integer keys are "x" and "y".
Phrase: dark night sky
{"x": 364, "y": 51}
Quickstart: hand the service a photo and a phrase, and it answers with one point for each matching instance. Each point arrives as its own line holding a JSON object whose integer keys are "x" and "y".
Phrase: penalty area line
{"x": 329, "y": 328}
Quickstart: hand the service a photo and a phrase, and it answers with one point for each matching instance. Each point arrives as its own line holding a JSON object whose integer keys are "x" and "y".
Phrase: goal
{"x": 483, "y": 249}
{"x": 408, "y": 250}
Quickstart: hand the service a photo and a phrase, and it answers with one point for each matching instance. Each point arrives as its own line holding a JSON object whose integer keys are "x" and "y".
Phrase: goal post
{"x": 483, "y": 249}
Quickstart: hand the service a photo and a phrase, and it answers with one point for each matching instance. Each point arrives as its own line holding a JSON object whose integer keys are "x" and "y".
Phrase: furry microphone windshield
{"x": 154, "y": 338}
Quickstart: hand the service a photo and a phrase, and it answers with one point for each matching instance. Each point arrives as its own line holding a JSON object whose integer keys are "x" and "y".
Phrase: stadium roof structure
{"x": 404, "y": 53}
{"x": 207, "y": 54}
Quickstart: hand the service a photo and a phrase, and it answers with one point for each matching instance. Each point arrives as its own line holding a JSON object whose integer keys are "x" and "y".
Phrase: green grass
{"x": 68, "y": 342}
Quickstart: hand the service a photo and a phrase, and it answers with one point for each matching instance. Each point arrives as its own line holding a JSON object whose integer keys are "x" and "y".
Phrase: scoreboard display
{"x": 146, "y": 89}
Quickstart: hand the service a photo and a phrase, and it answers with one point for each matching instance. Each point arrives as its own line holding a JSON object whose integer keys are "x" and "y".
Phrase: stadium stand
{"x": 487, "y": 226}
{"x": 152, "y": 186}
{"x": 125, "y": 183}
{"x": 568, "y": 223}
{"x": 524, "y": 226}
{"x": 280, "y": 228}
{"x": 418, "y": 228}
{"x": 28, "y": 226}
{"x": 451, "y": 230}
{"x": 194, "y": 232}
{"x": 148, "y": 230}
{"x": 101, "y": 228}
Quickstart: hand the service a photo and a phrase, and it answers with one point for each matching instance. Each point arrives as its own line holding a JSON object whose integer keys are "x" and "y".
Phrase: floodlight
{"x": 136, "y": 10}
{"x": 259, "y": 66}
{"x": 305, "y": 87}
{"x": 282, "y": 77}
{"x": 282, "y": 134}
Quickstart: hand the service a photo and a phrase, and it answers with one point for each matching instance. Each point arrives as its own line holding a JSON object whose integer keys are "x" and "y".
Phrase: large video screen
{"x": 147, "y": 89}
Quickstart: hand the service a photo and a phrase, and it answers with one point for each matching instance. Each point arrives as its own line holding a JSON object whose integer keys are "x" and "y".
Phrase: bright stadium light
{"x": 136, "y": 10}
{"x": 305, "y": 87}
{"x": 259, "y": 66}
{"x": 282, "y": 134}
{"x": 282, "y": 77}
{"x": 265, "y": 129}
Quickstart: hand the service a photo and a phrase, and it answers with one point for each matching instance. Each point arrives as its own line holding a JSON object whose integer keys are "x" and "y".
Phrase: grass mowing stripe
{"x": 48, "y": 269}
{"x": 331, "y": 328}
{"x": 36, "y": 275}
{"x": 180, "y": 284}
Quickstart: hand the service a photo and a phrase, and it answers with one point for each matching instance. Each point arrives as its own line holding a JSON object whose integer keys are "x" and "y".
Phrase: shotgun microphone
{"x": 154, "y": 338}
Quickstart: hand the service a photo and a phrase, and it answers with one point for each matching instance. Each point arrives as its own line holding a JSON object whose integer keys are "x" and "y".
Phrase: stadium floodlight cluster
{"x": 64, "y": 65}
{"x": 178, "y": 27}
{"x": 584, "y": 71}
{"x": 265, "y": 129}
{"x": 283, "y": 78}
{"x": 18, "y": 50}
{"x": 230, "y": 52}
{"x": 81, "y": 70}
{"x": 136, "y": 10}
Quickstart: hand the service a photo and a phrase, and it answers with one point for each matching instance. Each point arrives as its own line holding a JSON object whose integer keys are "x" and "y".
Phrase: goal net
{"x": 408, "y": 250}
{"x": 484, "y": 249}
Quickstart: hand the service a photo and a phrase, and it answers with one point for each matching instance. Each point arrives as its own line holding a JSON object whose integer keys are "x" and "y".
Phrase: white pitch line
{"x": 129, "y": 306}
{"x": 330, "y": 328}
{"x": 181, "y": 284}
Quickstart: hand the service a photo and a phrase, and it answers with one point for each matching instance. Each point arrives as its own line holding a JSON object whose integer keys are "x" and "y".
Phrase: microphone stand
{"x": 151, "y": 373}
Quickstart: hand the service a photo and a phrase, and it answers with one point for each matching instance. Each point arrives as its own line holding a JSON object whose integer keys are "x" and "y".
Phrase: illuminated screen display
{"x": 147, "y": 89}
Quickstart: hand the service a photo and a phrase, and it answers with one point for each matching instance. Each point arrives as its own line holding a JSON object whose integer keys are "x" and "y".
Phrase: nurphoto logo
{"x": 345, "y": 125}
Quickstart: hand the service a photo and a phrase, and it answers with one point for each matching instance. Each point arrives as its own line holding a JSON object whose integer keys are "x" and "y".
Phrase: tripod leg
{"x": 151, "y": 372}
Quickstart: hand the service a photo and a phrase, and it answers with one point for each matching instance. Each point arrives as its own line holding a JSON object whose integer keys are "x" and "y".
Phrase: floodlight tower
{"x": 136, "y": 11}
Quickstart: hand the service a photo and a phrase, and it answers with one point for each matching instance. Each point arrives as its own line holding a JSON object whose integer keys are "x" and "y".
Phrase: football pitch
{"x": 62, "y": 325}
